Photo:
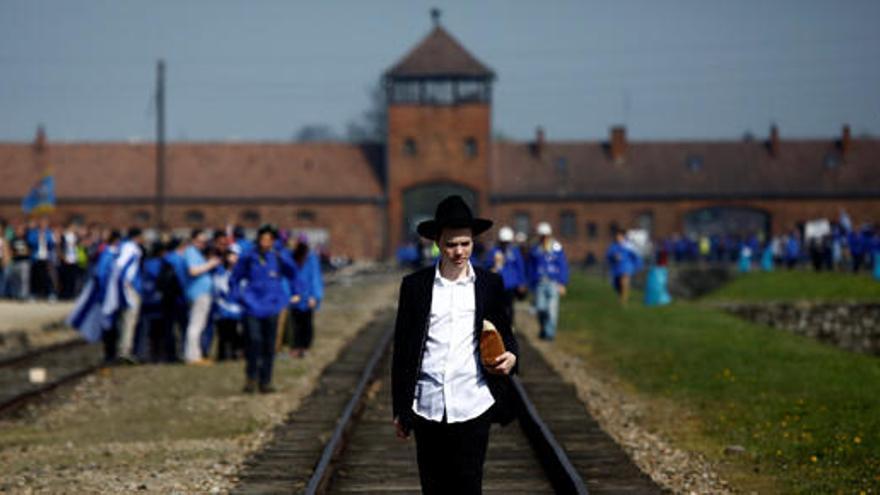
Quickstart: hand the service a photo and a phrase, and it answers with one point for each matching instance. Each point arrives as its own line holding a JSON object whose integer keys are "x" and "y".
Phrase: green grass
{"x": 798, "y": 285}
{"x": 808, "y": 415}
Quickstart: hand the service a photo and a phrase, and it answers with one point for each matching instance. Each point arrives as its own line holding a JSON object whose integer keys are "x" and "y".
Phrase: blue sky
{"x": 259, "y": 70}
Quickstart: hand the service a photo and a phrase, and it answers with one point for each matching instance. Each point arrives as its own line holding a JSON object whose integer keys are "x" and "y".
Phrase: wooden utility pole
{"x": 160, "y": 145}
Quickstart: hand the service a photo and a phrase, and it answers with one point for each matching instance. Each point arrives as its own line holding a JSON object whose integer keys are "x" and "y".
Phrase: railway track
{"x": 31, "y": 375}
{"x": 341, "y": 439}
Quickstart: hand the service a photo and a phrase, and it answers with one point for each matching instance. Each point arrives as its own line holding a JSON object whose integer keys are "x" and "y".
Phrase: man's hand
{"x": 294, "y": 299}
{"x": 561, "y": 289}
{"x": 401, "y": 433}
{"x": 503, "y": 364}
{"x": 313, "y": 303}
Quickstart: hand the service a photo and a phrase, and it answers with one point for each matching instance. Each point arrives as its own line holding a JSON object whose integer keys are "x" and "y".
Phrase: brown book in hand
{"x": 491, "y": 344}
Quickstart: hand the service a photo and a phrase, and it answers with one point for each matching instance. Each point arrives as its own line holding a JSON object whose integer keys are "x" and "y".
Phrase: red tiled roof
{"x": 660, "y": 169}
{"x": 207, "y": 170}
{"x": 439, "y": 55}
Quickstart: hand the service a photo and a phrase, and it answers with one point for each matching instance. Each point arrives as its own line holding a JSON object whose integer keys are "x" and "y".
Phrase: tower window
{"x": 409, "y": 147}
{"x": 470, "y": 147}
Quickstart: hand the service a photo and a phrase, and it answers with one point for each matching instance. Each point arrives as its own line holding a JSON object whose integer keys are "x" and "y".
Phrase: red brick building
{"x": 366, "y": 198}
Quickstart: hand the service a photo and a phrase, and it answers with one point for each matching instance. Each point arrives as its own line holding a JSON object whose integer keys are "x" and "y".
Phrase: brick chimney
{"x": 845, "y": 141}
{"x": 538, "y": 145}
{"x": 773, "y": 141}
{"x": 618, "y": 143}
{"x": 40, "y": 140}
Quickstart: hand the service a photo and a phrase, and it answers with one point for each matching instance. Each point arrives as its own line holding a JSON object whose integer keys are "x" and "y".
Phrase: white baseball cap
{"x": 544, "y": 228}
{"x": 505, "y": 234}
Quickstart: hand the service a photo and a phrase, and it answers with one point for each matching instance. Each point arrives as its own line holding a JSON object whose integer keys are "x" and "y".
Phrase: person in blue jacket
{"x": 227, "y": 311}
{"x": 548, "y": 276}
{"x": 309, "y": 291}
{"x": 505, "y": 259}
{"x": 257, "y": 281}
{"x": 624, "y": 262}
{"x": 792, "y": 250}
{"x": 41, "y": 241}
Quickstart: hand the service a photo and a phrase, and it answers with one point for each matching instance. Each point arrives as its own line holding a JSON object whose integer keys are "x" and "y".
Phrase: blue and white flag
{"x": 124, "y": 272}
{"x": 88, "y": 316}
{"x": 41, "y": 197}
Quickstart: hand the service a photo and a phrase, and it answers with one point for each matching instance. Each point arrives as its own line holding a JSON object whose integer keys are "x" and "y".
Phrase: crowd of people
{"x": 841, "y": 248}
{"x": 213, "y": 295}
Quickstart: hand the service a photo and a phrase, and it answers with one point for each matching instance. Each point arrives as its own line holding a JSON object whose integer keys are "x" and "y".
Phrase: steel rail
{"x": 324, "y": 469}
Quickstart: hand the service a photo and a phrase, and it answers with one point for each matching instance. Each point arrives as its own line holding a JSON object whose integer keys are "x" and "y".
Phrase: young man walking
{"x": 441, "y": 391}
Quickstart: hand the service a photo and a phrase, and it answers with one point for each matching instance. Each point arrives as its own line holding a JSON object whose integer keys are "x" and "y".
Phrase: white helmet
{"x": 544, "y": 228}
{"x": 505, "y": 234}
{"x": 521, "y": 237}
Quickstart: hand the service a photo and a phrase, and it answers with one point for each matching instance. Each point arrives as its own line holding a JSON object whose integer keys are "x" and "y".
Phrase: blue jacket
{"x": 308, "y": 283}
{"x": 622, "y": 259}
{"x": 151, "y": 294}
{"x": 33, "y": 241}
{"x": 256, "y": 282}
{"x": 513, "y": 273}
{"x": 177, "y": 262}
{"x": 550, "y": 263}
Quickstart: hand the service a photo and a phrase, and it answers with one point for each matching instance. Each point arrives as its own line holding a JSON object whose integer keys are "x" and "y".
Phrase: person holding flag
{"x": 122, "y": 302}
{"x": 88, "y": 316}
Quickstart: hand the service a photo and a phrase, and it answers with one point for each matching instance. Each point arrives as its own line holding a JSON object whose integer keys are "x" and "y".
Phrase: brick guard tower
{"x": 439, "y": 130}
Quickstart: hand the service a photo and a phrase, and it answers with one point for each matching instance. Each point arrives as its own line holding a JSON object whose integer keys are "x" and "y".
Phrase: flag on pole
{"x": 41, "y": 197}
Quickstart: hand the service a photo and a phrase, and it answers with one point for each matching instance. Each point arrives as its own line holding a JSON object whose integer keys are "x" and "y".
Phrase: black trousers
{"x": 42, "y": 285}
{"x": 229, "y": 339}
{"x": 451, "y": 455}
{"x": 260, "y": 352}
{"x": 303, "y": 329}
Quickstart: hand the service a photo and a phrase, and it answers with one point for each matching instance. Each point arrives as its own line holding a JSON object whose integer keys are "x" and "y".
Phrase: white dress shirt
{"x": 451, "y": 379}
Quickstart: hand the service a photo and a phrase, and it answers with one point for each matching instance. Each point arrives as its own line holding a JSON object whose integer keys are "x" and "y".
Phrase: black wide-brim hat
{"x": 454, "y": 213}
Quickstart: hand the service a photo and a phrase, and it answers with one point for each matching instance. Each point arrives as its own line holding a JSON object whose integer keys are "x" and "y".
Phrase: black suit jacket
{"x": 411, "y": 332}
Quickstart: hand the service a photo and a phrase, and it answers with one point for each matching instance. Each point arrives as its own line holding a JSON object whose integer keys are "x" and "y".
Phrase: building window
{"x": 141, "y": 217}
{"x": 76, "y": 219}
{"x": 470, "y": 147}
{"x": 522, "y": 222}
{"x": 409, "y": 147}
{"x": 194, "y": 217}
{"x": 567, "y": 224}
{"x": 613, "y": 227}
{"x": 306, "y": 215}
{"x": 592, "y": 230}
{"x": 250, "y": 217}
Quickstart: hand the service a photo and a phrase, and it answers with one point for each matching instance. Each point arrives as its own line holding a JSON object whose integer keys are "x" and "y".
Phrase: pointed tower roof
{"x": 439, "y": 55}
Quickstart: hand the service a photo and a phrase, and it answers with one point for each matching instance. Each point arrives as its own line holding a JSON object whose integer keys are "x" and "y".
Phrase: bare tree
{"x": 315, "y": 132}
{"x": 372, "y": 125}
